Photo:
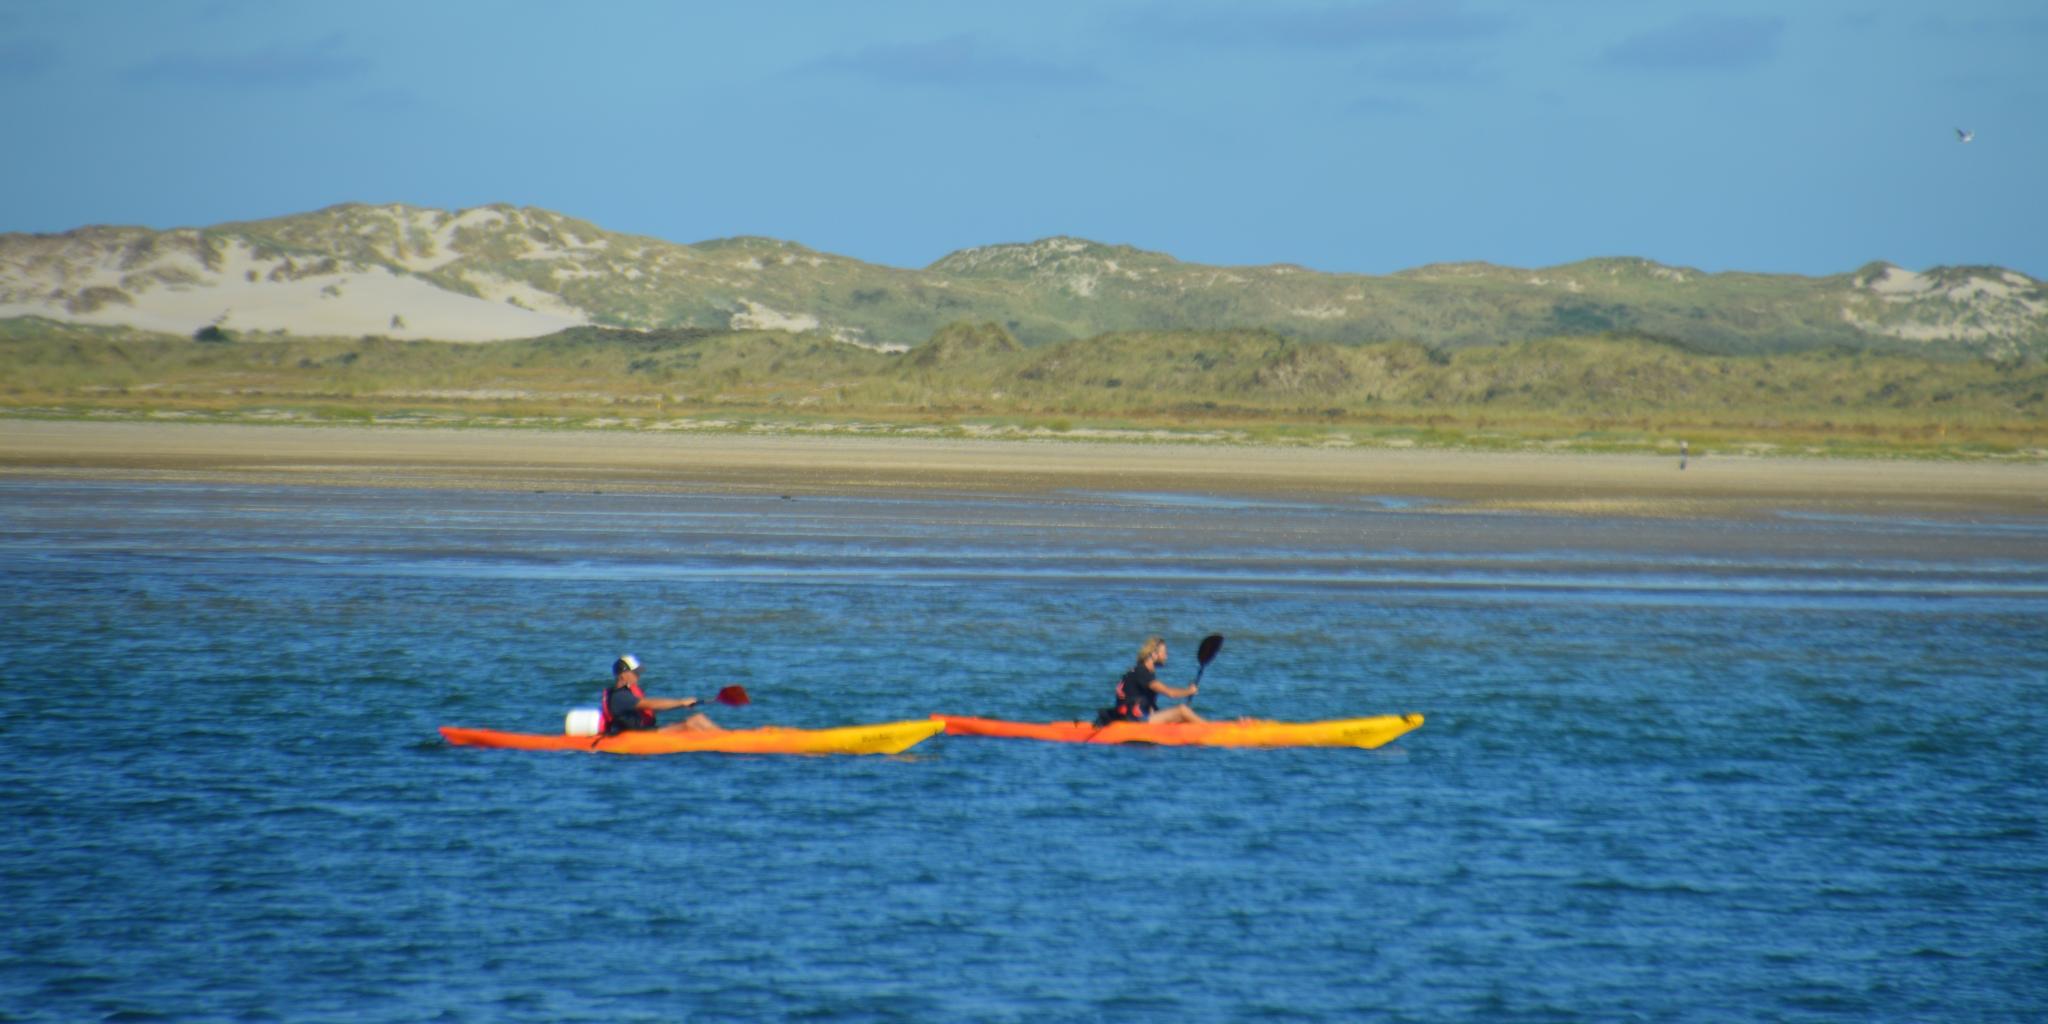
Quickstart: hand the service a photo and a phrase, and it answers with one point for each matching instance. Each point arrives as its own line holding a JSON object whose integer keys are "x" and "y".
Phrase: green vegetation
{"x": 1603, "y": 392}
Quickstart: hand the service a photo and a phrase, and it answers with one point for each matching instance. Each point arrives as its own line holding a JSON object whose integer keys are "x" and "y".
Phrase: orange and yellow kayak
{"x": 879, "y": 738}
{"x": 1343, "y": 732}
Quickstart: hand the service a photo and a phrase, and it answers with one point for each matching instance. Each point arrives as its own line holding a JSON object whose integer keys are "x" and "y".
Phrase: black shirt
{"x": 1134, "y": 693}
{"x": 623, "y": 710}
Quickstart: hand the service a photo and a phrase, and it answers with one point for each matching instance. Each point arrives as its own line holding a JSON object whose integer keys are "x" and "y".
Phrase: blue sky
{"x": 1346, "y": 136}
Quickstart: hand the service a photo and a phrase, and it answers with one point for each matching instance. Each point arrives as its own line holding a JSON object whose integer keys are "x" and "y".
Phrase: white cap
{"x": 626, "y": 663}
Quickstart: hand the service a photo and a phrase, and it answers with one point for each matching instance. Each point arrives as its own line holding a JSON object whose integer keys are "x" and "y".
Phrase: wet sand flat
{"x": 1642, "y": 485}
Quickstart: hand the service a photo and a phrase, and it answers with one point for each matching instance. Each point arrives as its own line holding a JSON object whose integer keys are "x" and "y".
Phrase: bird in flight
{"x": 1964, "y": 136}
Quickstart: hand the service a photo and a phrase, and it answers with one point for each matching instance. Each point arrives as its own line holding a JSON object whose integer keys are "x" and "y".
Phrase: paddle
{"x": 734, "y": 696}
{"x": 1211, "y": 646}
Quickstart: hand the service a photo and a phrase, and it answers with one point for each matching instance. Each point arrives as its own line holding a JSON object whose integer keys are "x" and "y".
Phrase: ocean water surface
{"x": 1785, "y": 769}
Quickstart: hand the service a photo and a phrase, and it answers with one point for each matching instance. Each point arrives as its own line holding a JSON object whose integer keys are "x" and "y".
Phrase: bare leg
{"x": 1177, "y": 713}
{"x": 694, "y": 723}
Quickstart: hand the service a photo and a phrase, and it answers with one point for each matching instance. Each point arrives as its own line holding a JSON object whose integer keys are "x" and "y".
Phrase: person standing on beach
{"x": 1138, "y": 692}
{"x": 1681, "y": 455}
{"x": 627, "y": 708}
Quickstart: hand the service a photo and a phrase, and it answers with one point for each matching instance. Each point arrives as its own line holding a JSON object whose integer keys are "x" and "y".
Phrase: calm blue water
{"x": 1785, "y": 770}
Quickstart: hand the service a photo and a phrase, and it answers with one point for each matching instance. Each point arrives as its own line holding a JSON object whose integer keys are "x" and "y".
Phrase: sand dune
{"x": 247, "y": 293}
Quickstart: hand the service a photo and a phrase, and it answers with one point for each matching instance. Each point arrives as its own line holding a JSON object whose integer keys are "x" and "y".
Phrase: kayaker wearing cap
{"x": 1138, "y": 692}
{"x": 627, "y": 708}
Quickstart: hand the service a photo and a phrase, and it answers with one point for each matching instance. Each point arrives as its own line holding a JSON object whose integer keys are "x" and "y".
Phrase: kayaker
{"x": 1138, "y": 692}
{"x": 627, "y": 707}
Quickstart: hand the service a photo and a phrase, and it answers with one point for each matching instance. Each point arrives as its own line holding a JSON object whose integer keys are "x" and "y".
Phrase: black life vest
{"x": 1135, "y": 698}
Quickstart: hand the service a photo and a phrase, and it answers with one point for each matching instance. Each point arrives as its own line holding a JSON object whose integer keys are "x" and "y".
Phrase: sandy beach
{"x": 1711, "y": 484}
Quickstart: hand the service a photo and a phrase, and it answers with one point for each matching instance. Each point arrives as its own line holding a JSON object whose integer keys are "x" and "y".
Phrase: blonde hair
{"x": 1151, "y": 646}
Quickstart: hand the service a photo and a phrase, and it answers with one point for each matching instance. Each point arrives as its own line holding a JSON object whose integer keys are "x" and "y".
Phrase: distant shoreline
{"x": 1711, "y": 485}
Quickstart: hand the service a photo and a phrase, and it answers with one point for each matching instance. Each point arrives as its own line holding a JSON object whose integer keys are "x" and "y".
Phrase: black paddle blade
{"x": 1210, "y": 645}
{"x": 735, "y": 696}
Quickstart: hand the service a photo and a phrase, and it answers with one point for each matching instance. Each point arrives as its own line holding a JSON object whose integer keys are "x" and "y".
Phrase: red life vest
{"x": 607, "y": 725}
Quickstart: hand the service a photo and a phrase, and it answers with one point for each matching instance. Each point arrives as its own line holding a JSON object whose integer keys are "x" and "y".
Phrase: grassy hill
{"x": 375, "y": 312}
{"x": 502, "y": 272}
{"x": 1601, "y": 391}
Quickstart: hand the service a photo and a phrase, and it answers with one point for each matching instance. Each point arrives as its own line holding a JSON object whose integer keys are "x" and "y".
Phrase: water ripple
{"x": 1672, "y": 771}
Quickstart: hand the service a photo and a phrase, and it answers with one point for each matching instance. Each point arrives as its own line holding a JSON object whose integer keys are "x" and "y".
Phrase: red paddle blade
{"x": 735, "y": 696}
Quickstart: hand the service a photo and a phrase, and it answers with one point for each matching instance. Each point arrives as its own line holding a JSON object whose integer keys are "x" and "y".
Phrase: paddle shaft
{"x": 1212, "y": 645}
